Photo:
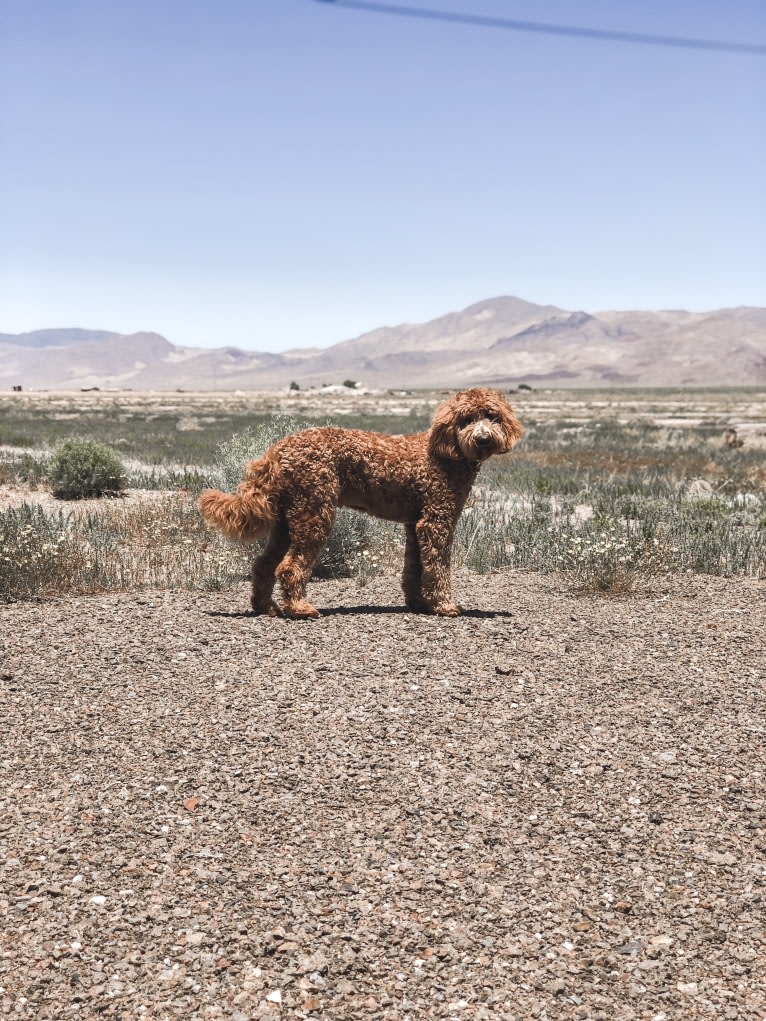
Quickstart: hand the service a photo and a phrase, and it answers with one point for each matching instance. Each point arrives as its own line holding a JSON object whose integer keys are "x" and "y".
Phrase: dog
{"x": 291, "y": 495}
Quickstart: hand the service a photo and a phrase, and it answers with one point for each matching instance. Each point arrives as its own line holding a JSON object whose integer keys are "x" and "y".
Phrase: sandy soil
{"x": 16, "y": 495}
{"x": 551, "y": 807}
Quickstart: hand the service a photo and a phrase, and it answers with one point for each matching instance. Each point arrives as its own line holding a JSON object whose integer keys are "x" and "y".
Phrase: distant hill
{"x": 502, "y": 341}
{"x": 55, "y": 338}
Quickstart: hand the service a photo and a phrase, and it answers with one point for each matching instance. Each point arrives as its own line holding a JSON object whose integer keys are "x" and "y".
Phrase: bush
{"x": 251, "y": 444}
{"x": 80, "y": 468}
{"x": 612, "y": 559}
{"x": 35, "y": 552}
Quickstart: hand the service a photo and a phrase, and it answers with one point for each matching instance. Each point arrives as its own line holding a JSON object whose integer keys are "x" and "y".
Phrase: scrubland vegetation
{"x": 610, "y": 490}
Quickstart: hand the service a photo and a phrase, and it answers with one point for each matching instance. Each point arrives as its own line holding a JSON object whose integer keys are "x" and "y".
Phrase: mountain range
{"x": 502, "y": 342}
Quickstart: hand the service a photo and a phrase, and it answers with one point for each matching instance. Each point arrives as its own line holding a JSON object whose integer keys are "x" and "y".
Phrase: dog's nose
{"x": 483, "y": 440}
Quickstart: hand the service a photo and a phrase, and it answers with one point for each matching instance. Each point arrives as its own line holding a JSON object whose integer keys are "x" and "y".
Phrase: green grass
{"x": 156, "y": 437}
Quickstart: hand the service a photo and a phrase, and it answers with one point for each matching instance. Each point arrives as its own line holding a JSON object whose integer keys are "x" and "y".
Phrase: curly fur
{"x": 292, "y": 493}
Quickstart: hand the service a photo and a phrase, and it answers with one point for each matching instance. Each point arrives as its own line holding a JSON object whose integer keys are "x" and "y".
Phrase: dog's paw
{"x": 447, "y": 610}
{"x": 302, "y": 610}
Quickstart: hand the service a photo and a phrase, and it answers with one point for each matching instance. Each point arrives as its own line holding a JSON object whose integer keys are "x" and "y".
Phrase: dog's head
{"x": 473, "y": 425}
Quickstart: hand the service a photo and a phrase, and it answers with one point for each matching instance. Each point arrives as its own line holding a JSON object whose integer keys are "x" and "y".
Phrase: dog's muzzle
{"x": 482, "y": 435}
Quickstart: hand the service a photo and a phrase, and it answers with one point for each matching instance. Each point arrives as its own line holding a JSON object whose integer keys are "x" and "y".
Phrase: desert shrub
{"x": 360, "y": 547}
{"x": 36, "y": 552}
{"x": 31, "y": 469}
{"x": 190, "y": 480}
{"x": 24, "y": 468}
{"x": 233, "y": 454}
{"x": 81, "y": 468}
{"x": 612, "y": 559}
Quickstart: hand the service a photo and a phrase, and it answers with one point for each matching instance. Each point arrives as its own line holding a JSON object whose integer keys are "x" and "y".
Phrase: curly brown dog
{"x": 291, "y": 495}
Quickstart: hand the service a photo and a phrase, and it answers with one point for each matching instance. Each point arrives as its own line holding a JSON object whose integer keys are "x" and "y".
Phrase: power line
{"x": 546, "y": 29}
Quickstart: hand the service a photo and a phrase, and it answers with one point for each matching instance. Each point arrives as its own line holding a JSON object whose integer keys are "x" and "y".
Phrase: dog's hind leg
{"x": 309, "y": 533}
{"x": 264, "y": 566}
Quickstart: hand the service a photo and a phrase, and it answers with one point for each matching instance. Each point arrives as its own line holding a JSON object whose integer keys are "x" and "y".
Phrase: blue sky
{"x": 280, "y": 173}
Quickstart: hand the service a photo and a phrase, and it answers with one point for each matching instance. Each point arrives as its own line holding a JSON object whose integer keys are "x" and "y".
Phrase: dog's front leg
{"x": 434, "y": 537}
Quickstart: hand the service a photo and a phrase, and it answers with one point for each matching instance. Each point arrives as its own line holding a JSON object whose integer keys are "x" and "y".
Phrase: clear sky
{"x": 279, "y": 173}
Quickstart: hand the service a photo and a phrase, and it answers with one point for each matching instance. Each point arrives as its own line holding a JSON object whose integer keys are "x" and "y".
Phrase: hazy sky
{"x": 279, "y": 173}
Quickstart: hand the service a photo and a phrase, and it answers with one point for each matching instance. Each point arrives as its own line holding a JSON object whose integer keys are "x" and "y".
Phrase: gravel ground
{"x": 551, "y": 807}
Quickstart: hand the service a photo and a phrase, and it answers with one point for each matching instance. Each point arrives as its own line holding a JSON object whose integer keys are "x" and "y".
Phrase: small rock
{"x": 687, "y": 988}
{"x": 288, "y": 947}
{"x": 316, "y": 962}
{"x": 745, "y": 954}
{"x": 273, "y": 939}
{"x": 629, "y": 949}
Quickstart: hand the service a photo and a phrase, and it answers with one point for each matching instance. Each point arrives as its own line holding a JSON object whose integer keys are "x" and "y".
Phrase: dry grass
{"x": 151, "y": 544}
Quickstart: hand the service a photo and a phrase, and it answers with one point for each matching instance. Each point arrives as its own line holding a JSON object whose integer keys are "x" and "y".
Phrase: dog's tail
{"x": 249, "y": 513}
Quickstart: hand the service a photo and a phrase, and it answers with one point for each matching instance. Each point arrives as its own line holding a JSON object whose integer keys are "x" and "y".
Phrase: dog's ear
{"x": 511, "y": 427}
{"x": 442, "y": 439}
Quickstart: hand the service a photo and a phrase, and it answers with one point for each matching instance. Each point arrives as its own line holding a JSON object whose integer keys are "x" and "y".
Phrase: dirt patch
{"x": 551, "y": 807}
{"x": 16, "y": 495}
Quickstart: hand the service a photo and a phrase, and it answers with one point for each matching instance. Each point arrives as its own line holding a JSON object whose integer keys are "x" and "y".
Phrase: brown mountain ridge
{"x": 502, "y": 341}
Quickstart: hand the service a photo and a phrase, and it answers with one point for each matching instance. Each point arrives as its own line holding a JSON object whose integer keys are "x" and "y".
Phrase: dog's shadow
{"x": 366, "y": 610}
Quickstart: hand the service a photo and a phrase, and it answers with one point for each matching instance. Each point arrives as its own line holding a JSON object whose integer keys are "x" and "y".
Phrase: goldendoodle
{"x": 291, "y": 495}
